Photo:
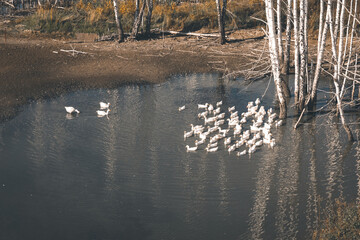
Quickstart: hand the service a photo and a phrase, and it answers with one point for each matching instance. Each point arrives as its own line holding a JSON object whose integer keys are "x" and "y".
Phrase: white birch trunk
{"x": 353, "y": 86}
{"x": 350, "y": 47}
{"x": 296, "y": 52}
{"x": 321, "y": 48}
{"x": 285, "y": 67}
{"x": 274, "y": 56}
{"x": 348, "y": 27}
{"x": 321, "y": 23}
{"x": 340, "y": 48}
{"x": 337, "y": 19}
{"x": 337, "y": 69}
{"x": 118, "y": 23}
{"x": 302, "y": 52}
{"x": 279, "y": 31}
{"x": 221, "y": 19}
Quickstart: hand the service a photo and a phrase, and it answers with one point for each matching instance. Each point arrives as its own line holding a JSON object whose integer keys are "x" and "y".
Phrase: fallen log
{"x": 73, "y": 51}
{"x": 8, "y": 4}
{"x": 191, "y": 34}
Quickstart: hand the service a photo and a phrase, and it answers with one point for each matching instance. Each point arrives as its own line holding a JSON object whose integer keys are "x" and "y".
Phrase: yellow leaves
{"x": 127, "y": 7}
{"x": 80, "y": 5}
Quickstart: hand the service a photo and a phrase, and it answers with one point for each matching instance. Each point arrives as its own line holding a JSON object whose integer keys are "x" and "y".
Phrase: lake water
{"x": 128, "y": 176}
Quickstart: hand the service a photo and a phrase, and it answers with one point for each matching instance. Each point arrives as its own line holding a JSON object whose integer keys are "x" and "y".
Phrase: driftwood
{"x": 7, "y": 3}
{"x": 73, "y": 51}
{"x": 110, "y": 37}
{"x": 191, "y": 34}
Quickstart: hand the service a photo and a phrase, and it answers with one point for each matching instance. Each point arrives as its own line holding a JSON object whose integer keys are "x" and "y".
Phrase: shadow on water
{"x": 128, "y": 176}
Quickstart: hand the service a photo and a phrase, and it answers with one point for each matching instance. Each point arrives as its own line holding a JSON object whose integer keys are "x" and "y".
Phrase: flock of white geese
{"x": 100, "y": 113}
{"x": 241, "y": 133}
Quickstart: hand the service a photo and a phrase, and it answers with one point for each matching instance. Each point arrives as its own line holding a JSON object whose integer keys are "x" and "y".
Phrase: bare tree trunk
{"x": 286, "y": 64}
{"x": 137, "y": 9}
{"x": 337, "y": 19}
{"x": 279, "y": 31}
{"x": 118, "y": 22}
{"x": 308, "y": 79}
{"x": 351, "y": 45}
{"x": 353, "y": 86}
{"x": 321, "y": 23}
{"x": 341, "y": 49}
{"x": 296, "y": 52}
{"x": 221, "y": 19}
{"x": 348, "y": 26}
{"x": 148, "y": 17}
{"x": 303, "y": 60}
{"x": 337, "y": 71}
{"x": 137, "y": 21}
{"x": 320, "y": 53}
{"x": 274, "y": 56}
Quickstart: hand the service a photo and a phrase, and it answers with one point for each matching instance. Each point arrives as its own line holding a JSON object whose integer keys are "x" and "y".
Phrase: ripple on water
{"x": 129, "y": 175}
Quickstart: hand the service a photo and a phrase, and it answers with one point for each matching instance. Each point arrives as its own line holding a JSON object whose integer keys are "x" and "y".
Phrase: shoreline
{"x": 35, "y": 68}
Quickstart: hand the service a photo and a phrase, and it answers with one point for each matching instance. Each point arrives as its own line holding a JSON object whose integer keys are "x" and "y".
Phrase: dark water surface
{"x": 129, "y": 177}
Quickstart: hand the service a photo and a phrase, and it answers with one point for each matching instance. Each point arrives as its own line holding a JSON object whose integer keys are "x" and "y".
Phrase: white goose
{"x": 203, "y": 114}
{"x": 212, "y": 145}
{"x": 220, "y": 116}
{"x": 203, "y": 105}
{"x": 188, "y": 134}
{"x": 252, "y": 149}
{"x": 209, "y": 120}
{"x": 241, "y": 153}
{"x": 227, "y": 141}
{"x": 231, "y": 148}
{"x": 71, "y": 110}
{"x": 230, "y": 109}
{"x": 102, "y": 113}
{"x": 191, "y": 149}
{"x": 212, "y": 149}
{"x": 104, "y": 105}
{"x": 210, "y": 108}
{"x": 199, "y": 142}
{"x": 278, "y": 123}
{"x": 181, "y": 108}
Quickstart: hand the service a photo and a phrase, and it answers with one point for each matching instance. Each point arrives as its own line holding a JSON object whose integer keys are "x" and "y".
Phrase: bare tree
{"x": 279, "y": 30}
{"x": 303, "y": 55}
{"x": 286, "y": 64}
{"x": 137, "y": 22}
{"x": 296, "y": 51}
{"x": 274, "y": 56}
{"x": 221, "y": 10}
{"x": 320, "y": 53}
{"x": 148, "y": 17}
{"x": 337, "y": 54}
{"x": 118, "y": 22}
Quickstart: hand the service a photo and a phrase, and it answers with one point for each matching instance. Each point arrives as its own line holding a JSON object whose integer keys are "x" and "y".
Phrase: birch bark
{"x": 137, "y": 22}
{"x": 296, "y": 52}
{"x": 302, "y": 52}
{"x": 286, "y": 65}
{"x": 274, "y": 56}
{"x": 279, "y": 31}
{"x": 221, "y": 19}
{"x": 118, "y": 22}
{"x": 321, "y": 48}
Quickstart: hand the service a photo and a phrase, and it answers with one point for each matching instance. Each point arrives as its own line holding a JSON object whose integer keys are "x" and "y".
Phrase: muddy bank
{"x": 33, "y": 68}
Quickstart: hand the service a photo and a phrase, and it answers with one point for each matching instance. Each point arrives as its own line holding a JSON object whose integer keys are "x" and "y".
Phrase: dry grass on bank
{"x": 90, "y": 17}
